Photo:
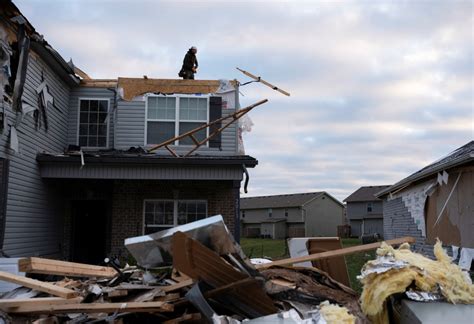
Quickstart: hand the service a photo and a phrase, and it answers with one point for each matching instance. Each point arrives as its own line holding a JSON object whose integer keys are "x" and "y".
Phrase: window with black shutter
{"x": 215, "y": 112}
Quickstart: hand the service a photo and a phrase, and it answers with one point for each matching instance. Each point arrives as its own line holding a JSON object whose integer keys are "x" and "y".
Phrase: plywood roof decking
{"x": 133, "y": 87}
{"x": 98, "y": 83}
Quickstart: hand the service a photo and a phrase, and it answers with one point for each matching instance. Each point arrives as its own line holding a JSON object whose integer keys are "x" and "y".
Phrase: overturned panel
{"x": 154, "y": 249}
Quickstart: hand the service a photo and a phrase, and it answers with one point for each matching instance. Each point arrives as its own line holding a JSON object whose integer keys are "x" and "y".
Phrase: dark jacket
{"x": 190, "y": 61}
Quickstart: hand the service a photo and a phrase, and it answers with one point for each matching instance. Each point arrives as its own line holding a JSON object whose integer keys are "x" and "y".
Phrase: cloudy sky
{"x": 378, "y": 89}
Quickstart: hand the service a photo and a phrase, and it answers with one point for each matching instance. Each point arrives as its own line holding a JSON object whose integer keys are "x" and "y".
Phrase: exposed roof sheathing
{"x": 133, "y": 87}
{"x": 365, "y": 194}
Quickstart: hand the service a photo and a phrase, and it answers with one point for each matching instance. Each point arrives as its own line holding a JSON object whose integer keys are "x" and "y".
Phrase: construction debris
{"x": 399, "y": 270}
{"x": 198, "y": 273}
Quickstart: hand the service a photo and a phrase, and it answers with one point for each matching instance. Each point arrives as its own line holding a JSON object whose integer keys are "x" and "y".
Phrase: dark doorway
{"x": 89, "y": 231}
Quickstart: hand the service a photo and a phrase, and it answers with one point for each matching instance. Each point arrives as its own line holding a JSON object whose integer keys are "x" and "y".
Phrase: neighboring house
{"x": 437, "y": 201}
{"x": 76, "y": 179}
{"x": 293, "y": 215}
{"x": 364, "y": 211}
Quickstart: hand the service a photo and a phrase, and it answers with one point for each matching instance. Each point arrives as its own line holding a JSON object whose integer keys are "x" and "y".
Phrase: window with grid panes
{"x": 168, "y": 117}
{"x": 93, "y": 122}
{"x": 163, "y": 214}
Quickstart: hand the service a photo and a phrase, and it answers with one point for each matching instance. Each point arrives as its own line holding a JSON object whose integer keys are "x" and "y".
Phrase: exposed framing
{"x": 177, "y": 120}
{"x": 79, "y": 121}
{"x": 175, "y": 211}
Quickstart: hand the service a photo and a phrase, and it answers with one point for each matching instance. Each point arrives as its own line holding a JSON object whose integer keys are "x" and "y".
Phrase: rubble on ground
{"x": 209, "y": 280}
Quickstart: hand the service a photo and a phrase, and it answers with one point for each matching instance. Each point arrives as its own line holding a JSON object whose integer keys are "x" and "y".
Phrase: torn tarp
{"x": 154, "y": 249}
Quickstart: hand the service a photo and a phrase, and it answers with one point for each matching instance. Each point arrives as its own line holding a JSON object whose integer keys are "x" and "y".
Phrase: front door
{"x": 89, "y": 231}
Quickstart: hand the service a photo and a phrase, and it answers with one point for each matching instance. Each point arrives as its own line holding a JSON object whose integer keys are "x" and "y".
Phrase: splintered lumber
{"x": 335, "y": 253}
{"x": 38, "y": 285}
{"x": 64, "y": 268}
{"x": 179, "y": 285}
{"x": 42, "y": 301}
{"x": 132, "y": 307}
{"x": 259, "y": 79}
{"x": 201, "y": 263}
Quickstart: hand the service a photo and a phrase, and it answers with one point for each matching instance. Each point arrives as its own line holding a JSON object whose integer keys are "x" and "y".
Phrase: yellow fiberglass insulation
{"x": 427, "y": 275}
{"x": 334, "y": 314}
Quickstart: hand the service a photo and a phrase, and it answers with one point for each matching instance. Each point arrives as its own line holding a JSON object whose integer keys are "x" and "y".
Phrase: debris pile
{"x": 209, "y": 280}
{"x": 420, "y": 278}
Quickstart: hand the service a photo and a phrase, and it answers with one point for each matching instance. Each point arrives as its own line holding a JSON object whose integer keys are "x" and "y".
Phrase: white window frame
{"x": 176, "y": 118}
{"x": 371, "y": 206}
{"x": 175, "y": 211}
{"x": 79, "y": 121}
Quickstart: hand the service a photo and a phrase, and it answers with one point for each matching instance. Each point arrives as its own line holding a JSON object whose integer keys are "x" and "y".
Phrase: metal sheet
{"x": 154, "y": 249}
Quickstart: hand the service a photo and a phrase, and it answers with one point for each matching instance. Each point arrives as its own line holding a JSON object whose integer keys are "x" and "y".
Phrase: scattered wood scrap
{"x": 63, "y": 268}
{"x": 335, "y": 253}
{"x": 38, "y": 285}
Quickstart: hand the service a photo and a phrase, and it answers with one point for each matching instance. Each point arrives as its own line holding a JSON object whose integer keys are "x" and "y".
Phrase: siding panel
{"x": 33, "y": 223}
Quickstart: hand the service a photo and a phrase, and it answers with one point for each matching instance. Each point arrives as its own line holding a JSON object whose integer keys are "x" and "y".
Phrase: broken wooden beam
{"x": 9, "y": 303}
{"x": 64, "y": 268}
{"x": 177, "y": 286}
{"x": 38, "y": 285}
{"x": 259, "y": 79}
{"x": 132, "y": 307}
{"x": 335, "y": 253}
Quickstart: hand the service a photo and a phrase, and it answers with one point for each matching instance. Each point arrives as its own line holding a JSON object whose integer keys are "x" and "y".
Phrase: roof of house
{"x": 133, "y": 87}
{"x": 366, "y": 193}
{"x": 460, "y": 156}
{"x": 39, "y": 44}
{"x": 117, "y": 157}
{"x": 279, "y": 201}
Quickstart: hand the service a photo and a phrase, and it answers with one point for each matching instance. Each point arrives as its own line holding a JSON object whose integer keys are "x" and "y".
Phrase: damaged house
{"x": 77, "y": 176}
{"x": 435, "y": 202}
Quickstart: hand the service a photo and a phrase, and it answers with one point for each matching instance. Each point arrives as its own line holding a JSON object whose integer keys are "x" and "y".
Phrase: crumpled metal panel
{"x": 154, "y": 249}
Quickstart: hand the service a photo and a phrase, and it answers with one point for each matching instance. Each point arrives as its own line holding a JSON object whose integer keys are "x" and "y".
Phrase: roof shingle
{"x": 365, "y": 194}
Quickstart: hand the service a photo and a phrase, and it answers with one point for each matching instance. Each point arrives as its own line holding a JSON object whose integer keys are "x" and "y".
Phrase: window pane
{"x": 103, "y": 130}
{"x": 92, "y": 142}
{"x": 84, "y": 105}
{"x": 84, "y": 117}
{"x": 93, "y": 130}
{"x": 82, "y": 140}
{"x": 158, "y": 132}
{"x": 103, "y": 106}
{"x": 83, "y": 130}
{"x": 102, "y": 117}
{"x": 186, "y": 127}
{"x": 161, "y": 108}
{"x": 201, "y": 208}
{"x": 102, "y": 141}
{"x": 94, "y": 105}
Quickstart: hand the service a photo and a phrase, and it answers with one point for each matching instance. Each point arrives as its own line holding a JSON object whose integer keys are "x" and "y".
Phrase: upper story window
{"x": 168, "y": 117}
{"x": 270, "y": 212}
{"x": 369, "y": 207}
{"x": 243, "y": 213}
{"x": 93, "y": 126}
{"x": 286, "y": 212}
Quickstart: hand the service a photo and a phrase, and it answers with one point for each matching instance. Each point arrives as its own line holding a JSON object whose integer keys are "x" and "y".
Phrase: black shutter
{"x": 4, "y": 171}
{"x": 215, "y": 112}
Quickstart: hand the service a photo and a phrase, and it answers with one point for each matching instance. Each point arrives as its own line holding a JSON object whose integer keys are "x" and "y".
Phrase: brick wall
{"x": 128, "y": 196}
{"x": 398, "y": 222}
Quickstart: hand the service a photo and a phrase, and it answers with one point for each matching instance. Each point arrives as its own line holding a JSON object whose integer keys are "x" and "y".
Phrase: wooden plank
{"x": 38, "y": 285}
{"x": 179, "y": 285}
{"x": 259, "y": 79}
{"x": 145, "y": 307}
{"x": 117, "y": 293}
{"x": 44, "y": 301}
{"x": 193, "y": 317}
{"x": 335, "y": 253}
{"x": 64, "y": 268}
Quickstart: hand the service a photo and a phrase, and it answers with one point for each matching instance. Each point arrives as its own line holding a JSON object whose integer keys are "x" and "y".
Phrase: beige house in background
{"x": 293, "y": 215}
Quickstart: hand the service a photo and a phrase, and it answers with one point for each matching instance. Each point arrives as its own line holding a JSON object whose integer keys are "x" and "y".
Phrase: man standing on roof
{"x": 190, "y": 64}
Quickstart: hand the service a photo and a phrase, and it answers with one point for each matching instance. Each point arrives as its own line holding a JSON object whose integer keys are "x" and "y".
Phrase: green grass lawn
{"x": 277, "y": 249}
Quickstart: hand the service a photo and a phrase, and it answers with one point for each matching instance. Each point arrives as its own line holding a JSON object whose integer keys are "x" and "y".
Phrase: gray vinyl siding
{"x": 260, "y": 215}
{"x": 130, "y": 131}
{"x": 89, "y": 93}
{"x": 358, "y": 210}
{"x": 33, "y": 223}
{"x": 322, "y": 216}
